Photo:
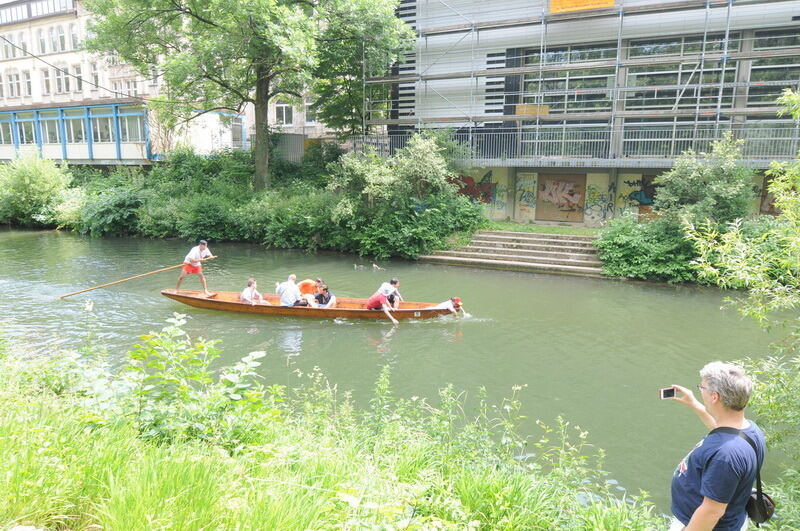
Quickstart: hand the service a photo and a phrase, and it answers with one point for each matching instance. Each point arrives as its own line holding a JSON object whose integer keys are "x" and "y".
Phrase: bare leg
{"x": 180, "y": 280}
{"x": 203, "y": 282}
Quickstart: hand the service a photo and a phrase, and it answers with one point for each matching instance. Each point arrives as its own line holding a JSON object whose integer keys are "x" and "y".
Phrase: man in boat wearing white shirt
{"x": 193, "y": 265}
{"x": 250, "y": 293}
{"x": 389, "y": 289}
{"x": 290, "y": 293}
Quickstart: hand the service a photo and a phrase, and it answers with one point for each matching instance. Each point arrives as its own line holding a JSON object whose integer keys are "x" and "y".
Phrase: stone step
{"x": 541, "y": 246}
{"x": 513, "y": 265}
{"x": 535, "y": 239}
{"x": 536, "y": 235}
{"x": 521, "y": 258}
{"x": 504, "y": 253}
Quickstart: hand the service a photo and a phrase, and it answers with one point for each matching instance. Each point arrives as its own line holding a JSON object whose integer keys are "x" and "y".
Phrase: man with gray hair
{"x": 711, "y": 485}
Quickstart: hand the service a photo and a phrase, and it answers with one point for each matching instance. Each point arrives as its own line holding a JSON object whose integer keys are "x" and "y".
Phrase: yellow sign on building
{"x": 529, "y": 109}
{"x": 568, "y": 6}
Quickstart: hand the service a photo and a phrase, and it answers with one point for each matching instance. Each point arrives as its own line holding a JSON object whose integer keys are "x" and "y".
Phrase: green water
{"x": 594, "y": 351}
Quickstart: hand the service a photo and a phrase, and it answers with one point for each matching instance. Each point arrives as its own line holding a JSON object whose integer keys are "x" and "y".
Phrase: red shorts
{"x": 192, "y": 270}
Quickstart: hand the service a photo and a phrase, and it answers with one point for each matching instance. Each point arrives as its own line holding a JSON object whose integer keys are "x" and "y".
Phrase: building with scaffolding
{"x": 569, "y": 108}
{"x": 62, "y": 102}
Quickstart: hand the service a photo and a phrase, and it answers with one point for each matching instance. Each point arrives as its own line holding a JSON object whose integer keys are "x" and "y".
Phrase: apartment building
{"x": 60, "y": 101}
{"x": 569, "y": 108}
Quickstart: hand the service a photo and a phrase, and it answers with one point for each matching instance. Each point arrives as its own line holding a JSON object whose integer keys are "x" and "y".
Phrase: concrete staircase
{"x": 525, "y": 251}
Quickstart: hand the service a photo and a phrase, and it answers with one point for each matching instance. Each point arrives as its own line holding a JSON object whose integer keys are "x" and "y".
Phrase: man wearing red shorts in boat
{"x": 193, "y": 265}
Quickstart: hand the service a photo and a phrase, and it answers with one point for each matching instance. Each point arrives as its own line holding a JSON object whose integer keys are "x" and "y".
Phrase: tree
{"x": 220, "y": 55}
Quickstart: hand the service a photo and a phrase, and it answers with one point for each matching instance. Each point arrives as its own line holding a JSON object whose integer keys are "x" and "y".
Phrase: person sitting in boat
{"x": 453, "y": 304}
{"x": 379, "y": 301}
{"x": 325, "y": 299}
{"x": 251, "y": 294}
{"x": 309, "y": 289}
{"x": 389, "y": 289}
{"x": 290, "y": 293}
{"x": 193, "y": 265}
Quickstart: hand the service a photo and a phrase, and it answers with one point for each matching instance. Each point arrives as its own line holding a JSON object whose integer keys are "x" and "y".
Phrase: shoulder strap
{"x": 743, "y": 435}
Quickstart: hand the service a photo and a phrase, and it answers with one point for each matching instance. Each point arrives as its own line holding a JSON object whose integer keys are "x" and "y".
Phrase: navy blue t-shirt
{"x": 722, "y": 467}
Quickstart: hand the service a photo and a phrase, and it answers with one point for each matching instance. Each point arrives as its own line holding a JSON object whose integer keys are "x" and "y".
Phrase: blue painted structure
{"x": 89, "y": 112}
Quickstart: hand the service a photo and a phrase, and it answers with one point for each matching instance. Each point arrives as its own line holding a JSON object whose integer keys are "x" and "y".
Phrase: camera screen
{"x": 669, "y": 392}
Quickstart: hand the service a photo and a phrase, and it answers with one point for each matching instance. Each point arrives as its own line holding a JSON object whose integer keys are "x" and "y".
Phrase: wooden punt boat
{"x": 346, "y": 307}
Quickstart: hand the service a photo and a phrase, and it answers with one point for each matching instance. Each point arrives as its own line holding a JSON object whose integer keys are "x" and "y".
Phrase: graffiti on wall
{"x": 645, "y": 193}
{"x": 484, "y": 190}
{"x": 561, "y": 194}
{"x": 599, "y": 205}
{"x": 560, "y": 197}
{"x": 525, "y": 195}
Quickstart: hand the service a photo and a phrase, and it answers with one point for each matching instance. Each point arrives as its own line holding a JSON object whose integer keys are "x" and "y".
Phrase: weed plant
{"x": 164, "y": 442}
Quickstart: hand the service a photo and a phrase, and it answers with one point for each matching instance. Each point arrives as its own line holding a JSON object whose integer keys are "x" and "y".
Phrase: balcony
{"x": 636, "y": 146}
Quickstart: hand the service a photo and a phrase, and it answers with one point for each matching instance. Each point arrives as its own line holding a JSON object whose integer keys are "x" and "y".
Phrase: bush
{"x": 203, "y": 216}
{"x": 716, "y": 186}
{"x": 111, "y": 212}
{"x": 30, "y": 187}
{"x": 655, "y": 250}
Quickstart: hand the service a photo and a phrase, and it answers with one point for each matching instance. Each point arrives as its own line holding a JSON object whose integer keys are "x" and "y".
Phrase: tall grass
{"x": 318, "y": 463}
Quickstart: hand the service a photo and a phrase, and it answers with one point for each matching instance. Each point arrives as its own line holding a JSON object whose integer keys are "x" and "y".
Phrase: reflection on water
{"x": 591, "y": 350}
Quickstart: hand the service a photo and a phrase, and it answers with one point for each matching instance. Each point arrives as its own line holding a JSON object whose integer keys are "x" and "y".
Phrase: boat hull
{"x": 347, "y": 307}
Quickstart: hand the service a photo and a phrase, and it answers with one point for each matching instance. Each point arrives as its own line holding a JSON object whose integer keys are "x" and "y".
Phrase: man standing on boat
{"x": 193, "y": 265}
{"x": 711, "y": 485}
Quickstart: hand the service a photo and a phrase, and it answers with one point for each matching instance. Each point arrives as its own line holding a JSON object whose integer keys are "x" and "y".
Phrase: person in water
{"x": 453, "y": 304}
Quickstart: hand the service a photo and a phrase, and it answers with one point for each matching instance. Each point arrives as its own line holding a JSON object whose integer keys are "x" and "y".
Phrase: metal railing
{"x": 558, "y": 144}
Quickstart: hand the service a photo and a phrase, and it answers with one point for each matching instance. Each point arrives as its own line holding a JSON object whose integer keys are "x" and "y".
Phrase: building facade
{"x": 60, "y": 101}
{"x": 567, "y": 109}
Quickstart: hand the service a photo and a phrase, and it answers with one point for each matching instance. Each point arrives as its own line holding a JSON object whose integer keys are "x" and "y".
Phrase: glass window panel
{"x": 102, "y": 129}
{"x": 777, "y": 39}
{"x": 75, "y": 133}
{"x": 5, "y": 133}
{"x": 50, "y": 132}
{"x": 96, "y": 111}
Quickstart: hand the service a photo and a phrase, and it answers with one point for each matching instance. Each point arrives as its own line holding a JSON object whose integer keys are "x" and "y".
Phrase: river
{"x": 594, "y": 351}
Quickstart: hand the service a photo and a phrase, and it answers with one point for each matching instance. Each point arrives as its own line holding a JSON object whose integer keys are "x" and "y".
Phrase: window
{"x": 62, "y": 39}
{"x": 283, "y": 113}
{"x": 50, "y": 130}
{"x": 131, "y": 129}
{"x": 683, "y": 45}
{"x": 102, "y": 126}
{"x": 95, "y": 75}
{"x": 8, "y": 47}
{"x": 131, "y": 87}
{"x": 73, "y": 33}
{"x": 776, "y": 39}
{"x": 237, "y": 133}
{"x": 311, "y": 114}
{"x": 23, "y": 43}
{"x": 5, "y": 129}
{"x": 53, "y": 39}
{"x": 45, "y": 81}
{"x": 27, "y": 86}
{"x": 73, "y": 125}
{"x": 13, "y": 85}
{"x": 779, "y": 72}
{"x": 678, "y": 86}
{"x": 61, "y": 80}
{"x": 116, "y": 86}
{"x": 42, "y": 41}
{"x": 25, "y": 132}
{"x": 76, "y": 70}
{"x": 2, "y": 87}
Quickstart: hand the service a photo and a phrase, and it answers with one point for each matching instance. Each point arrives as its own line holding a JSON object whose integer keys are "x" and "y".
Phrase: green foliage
{"x": 188, "y": 450}
{"x": 312, "y": 171}
{"x": 175, "y": 395}
{"x": 655, "y": 250}
{"x": 714, "y": 186}
{"x": 110, "y": 212}
{"x": 30, "y": 187}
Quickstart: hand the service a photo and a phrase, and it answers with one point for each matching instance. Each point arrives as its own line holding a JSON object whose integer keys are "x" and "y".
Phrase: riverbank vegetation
{"x": 405, "y": 205}
{"x": 714, "y": 187}
{"x": 767, "y": 265}
{"x": 166, "y": 442}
